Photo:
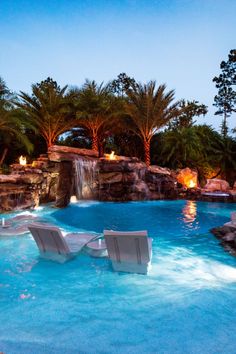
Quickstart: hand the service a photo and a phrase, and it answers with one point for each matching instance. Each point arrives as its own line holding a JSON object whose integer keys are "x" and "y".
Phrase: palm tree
{"x": 11, "y": 124}
{"x": 150, "y": 109}
{"x": 96, "y": 109}
{"x": 12, "y": 127}
{"x": 4, "y": 91}
{"x": 49, "y": 108}
{"x": 224, "y": 155}
{"x": 182, "y": 148}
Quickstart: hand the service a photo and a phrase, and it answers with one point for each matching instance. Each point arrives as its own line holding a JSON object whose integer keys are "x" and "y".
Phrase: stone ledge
{"x": 59, "y": 153}
{"x": 27, "y": 178}
{"x": 159, "y": 170}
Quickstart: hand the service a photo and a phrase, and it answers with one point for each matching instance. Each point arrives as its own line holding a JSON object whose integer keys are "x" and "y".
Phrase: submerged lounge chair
{"x": 129, "y": 251}
{"x": 23, "y": 217}
{"x": 16, "y": 226}
{"x": 14, "y": 231}
{"x": 53, "y": 245}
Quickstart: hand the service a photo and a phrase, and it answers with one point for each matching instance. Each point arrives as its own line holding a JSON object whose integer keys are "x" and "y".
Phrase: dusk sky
{"x": 177, "y": 42}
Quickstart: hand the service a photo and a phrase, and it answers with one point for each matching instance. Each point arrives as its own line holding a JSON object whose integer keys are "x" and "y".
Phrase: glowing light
{"x": 111, "y": 156}
{"x": 190, "y": 211}
{"x": 73, "y": 199}
{"x": 187, "y": 177}
{"x": 192, "y": 184}
{"x": 22, "y": 160}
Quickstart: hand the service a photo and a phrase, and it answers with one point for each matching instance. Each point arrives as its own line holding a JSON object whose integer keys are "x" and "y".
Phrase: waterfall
{"x": 85, "y": 178}
{"x": 139, "y": 184}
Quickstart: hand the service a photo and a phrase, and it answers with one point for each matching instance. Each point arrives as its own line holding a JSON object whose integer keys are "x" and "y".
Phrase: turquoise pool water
{"x": 187, "y": 304}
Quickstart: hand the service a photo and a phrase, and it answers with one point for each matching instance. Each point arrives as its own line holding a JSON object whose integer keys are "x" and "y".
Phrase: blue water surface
{"x": 187, "y": 304}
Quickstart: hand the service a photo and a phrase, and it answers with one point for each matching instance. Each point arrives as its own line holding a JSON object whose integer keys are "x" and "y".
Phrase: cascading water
{"x": 85, "y": 178}
{"x": 139, "y": 184}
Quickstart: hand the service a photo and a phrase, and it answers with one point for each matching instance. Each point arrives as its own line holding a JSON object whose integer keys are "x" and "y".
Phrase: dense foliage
{"x": 12, "y": 126}
{"x": 126, "y": 116}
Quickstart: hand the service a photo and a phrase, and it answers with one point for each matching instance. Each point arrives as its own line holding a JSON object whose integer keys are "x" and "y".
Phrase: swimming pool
{"x": 187, "y": 304}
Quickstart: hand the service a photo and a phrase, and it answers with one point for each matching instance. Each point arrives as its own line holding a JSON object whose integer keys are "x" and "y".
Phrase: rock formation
{"x": 67, "y": 171}
{"x": 28, "y": 186}
{"x": 216, "y": 185}
{"x": 227, "y": 237}
{"x": 130, "y": 179}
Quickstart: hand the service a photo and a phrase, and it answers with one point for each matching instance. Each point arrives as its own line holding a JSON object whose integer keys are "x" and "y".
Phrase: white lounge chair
{"x": 23, "y": 217}
{"x": 13, "y": 231}
{"x": 16, "y": 226}
{"x": 232, "y": 222}
{"x": 53, "y": 245}
{"x": 129, "y": 251}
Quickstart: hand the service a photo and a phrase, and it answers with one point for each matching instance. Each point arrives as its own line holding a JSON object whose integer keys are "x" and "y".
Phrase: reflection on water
{"x": 190, "y": 211}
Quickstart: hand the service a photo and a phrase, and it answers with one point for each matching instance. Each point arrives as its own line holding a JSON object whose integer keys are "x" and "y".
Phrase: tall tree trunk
{"x": 147, "y": 152}
{"x": 224, "y": 128}
{"x": 101, "y": 151}
{"x": 3, "y": 155}
{"x": 95, "y": 142}
{"x": 49, "y": 142}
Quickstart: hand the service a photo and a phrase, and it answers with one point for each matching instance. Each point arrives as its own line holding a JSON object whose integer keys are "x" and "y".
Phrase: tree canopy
{"x": 150, "y": 108}
{"x": 49, "y": 108}
{"x": 132, "y": 118}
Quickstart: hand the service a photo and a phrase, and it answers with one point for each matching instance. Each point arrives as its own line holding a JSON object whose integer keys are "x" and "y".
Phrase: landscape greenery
{"x": 126, "y": 116}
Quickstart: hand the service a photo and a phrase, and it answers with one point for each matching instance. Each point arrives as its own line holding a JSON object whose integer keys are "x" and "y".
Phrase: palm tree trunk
{"x": 101, "y": 151}
{"x": 95, "y": 142}
{"x": 49, "y": 142}
{"x": 3, "y": 155}
{"x": 147, "y": 152}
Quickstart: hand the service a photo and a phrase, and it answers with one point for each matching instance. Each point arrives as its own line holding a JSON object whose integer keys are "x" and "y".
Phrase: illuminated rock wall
{"x": 27, "y": 187}
{"x": 54, "y": 177}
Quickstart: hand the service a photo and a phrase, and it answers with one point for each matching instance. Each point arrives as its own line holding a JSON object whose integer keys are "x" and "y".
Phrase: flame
{"x": 22, "y": 160}
{"x": 111, "y": 156}
{"x": 187, "y": 177}
{"x": 191, "y": 184}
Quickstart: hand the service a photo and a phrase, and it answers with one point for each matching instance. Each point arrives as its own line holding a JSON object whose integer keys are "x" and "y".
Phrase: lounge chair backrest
{"x": 233, "y": 217}
{"x": 49, "y": 239}
{"x": 127, "y": 246}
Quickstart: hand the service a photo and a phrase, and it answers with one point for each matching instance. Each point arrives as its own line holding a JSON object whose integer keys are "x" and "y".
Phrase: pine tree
{"x": 225, "y": 100}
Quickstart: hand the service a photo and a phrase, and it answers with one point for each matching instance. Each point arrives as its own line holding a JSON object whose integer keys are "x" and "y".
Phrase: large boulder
{"x": 161, "y": 183}
{"x": 216, "y": 185}
{"x": 227, "y": 236}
